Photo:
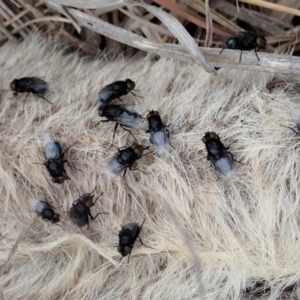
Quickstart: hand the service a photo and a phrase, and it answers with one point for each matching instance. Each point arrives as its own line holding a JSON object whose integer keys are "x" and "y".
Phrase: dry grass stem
{"x": 273, "y": 6}
{"x": 186, "y": 20}
{"x": 209, "y": 32}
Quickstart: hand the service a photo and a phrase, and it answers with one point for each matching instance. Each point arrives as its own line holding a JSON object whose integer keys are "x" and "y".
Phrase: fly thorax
{"x": 48, "y": 213}
{"x": 80, "y": 207}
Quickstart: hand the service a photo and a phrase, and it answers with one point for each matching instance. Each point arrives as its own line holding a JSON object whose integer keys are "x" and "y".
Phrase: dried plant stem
{"x": 273, "y": 6}
{"x": 229, "y": 58}
{"x": 209, "y": 25}
{"x": 13, "y": 250}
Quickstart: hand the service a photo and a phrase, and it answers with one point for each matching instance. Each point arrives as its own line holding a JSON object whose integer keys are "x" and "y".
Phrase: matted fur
{"x": 243, "y": 228}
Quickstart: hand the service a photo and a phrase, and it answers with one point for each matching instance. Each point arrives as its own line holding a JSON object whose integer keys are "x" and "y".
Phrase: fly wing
{"x": 296, "y": 117}
{"x": 76, "y": 218}
{"x": 51, "y": 149}
{"x": 45, "y": 85}
{"x": 114, "y": 166}
{"x": 110, "y": 169}
{"x": 104, "y": 96}
{"x": 107, "y": 94}
{"x": 161, "y": 141}
{"x": 248, "y": 39}
{"x": 131, "y": 218}
{"x": 40, "y": 86}
{"x": 134, "y": 229}
{"x": 37, "y": 205}
{"x": 131, "y": 117}
{"x": 132, "y": 223}
{"x": 224, "y": 165}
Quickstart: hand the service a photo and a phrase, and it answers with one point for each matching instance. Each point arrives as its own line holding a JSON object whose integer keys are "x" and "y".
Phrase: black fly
{"x": 217, "y": 153}
{"x": 127, "y": 237}
{"x": 123, "y": 116}
{"x": 246, "y": 41}
{"x": 54, "y": 159}
{"x": 81, "y": 210}
{"x": 34, "y": 85}
{"x": 126, "y": 158}
{"x": 115, "y": 90}
{"x": 46, "y": 212}
{"x": 159, "y": 135}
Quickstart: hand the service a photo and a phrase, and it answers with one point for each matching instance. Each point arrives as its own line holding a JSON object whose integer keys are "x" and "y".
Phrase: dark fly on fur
{"x": 159, "y": 134}
{"x": 246, "y": 41}
{"x": 46, "y": 212}
{"x": 217, "y": 153}
{"x": 122, "y": 115}
{"x": 115, "y": 90}
{"x": 34, "y": 85}
{"x": 81, "y": 210}
{"x": 55, "y": 159}
{"x": 126, "y": 158}
{"x": 127, "y": 237}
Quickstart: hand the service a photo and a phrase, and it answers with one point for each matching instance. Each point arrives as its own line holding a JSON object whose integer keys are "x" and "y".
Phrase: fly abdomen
{"x": 224, "y": 165}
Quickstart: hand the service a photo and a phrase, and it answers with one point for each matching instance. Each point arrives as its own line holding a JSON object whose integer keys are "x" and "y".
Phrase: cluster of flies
{"x": 126, "y": 157}
{"x": 79, "y": 215}
{"x": 80, "y": 212}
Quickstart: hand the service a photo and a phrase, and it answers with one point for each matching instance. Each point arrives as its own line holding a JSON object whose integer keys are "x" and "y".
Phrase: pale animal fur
{"x": 213, "y": 236}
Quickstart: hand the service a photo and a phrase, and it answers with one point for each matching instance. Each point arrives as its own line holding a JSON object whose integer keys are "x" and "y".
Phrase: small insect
{"x": 122, "y": 115}
{"x": 81, "y": 210}
{"x": 221, "y": 159}
{"x": 159, "y": 135}
{"x": 127, "y": 237}
{"x": 246, "y": 41}
{"x": 115, "y": 90}
{"x": 34, "y": 85}
{"x": 126, "y": 158}
{"x": 54, "y": 159}
{"x": 46, "y": 211}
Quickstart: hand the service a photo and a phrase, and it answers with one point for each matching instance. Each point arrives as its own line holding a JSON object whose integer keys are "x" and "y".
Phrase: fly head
{"x": 88, "y": 200}
{"x": 209, "y": 136}
{"x": 138, "y": 149}
{"x": 261, "y": 42}
{"x": 60, "y": 179}
{"x": 124, "y": 250}
{"x": 55, "y": 218}
{"x": 152, "y": 113}
{"x": 130, "y": 84}
{"x": 13, "y": 84}
{"x": 101, "y": 111}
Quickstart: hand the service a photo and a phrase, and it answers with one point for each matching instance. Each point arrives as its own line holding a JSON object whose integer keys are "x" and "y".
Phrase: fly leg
{"x": 127, "y": 130}
{"x": 26, "y": 99}
{"x": 44, "y": 98}
{"x": 256, "y": 50}
{"x": 102, "y": 213}
{"x": 116, "y": 126}
{"x": 139, "y": 235}
{"x": 66, "y": 161}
